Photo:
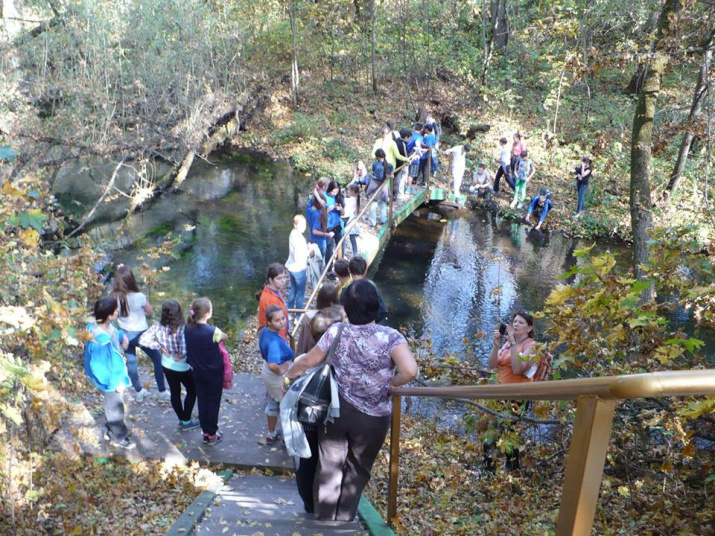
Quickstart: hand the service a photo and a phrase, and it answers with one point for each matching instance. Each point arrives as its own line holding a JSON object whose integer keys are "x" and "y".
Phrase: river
{"x": 230, "y": 220}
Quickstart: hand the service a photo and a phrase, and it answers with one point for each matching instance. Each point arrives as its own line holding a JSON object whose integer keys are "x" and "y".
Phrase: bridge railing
{"x": 328, "y": 262}
{"x": 596, "y": 402}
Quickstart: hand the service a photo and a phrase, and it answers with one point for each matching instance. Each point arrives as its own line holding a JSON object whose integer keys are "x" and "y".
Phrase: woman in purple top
{"x": 369, "y": 359}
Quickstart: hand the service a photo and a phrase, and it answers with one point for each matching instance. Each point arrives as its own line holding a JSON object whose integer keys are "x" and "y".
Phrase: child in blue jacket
{"x": 105, "y": 366}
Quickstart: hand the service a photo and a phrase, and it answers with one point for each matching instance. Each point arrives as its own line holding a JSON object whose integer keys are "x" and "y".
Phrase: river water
{"x": 230, "y": 220}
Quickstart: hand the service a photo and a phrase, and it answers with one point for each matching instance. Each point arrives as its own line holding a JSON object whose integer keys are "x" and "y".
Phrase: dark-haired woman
{"x": 381, "y": 172}
{"x": 317, "y": 217}
{"x": 272, "y": 294}
{"x": 369, "y": 359}
{"x": 168, "y": 337}
{"x": 583, "y": 175}
{"x": 334, "y": 206}
{"x": 204, "y": 357}
{"x": 134, "y": 309}
{"x": 514, "y": 365}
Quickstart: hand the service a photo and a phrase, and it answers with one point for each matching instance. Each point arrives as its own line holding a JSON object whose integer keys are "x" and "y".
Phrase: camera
{"x": 502, "y": 329}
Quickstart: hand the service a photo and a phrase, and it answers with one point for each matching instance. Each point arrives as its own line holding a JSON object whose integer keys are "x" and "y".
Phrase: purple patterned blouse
{"x": 363, "y": 366}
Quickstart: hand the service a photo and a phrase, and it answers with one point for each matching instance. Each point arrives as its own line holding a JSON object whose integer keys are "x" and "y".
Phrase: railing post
{"x": 389, "y": 216}
{"x": 584, "y": 465}
{"x": 394, "y": 459}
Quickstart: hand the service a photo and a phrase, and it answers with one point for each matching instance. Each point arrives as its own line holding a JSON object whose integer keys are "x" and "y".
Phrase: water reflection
{"x": 241, "y": 212}
{"x": 439, "y": 278}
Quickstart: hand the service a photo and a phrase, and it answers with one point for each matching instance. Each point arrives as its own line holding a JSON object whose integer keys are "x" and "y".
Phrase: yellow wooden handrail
{"x": 596, "y": 398}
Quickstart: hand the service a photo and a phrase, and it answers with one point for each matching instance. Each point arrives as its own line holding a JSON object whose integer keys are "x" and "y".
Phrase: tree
{"x": 642, "y": 143}
{"x": 696, "y": 108}
{"x": 294, "y": 73}
{"x": 499, "y": 33}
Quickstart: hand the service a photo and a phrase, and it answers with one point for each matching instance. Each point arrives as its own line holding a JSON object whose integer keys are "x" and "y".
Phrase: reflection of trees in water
{"x": 451, "y": 287}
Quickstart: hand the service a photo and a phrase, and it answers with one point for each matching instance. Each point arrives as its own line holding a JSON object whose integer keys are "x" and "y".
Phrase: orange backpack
{"x": 543, "y": 368}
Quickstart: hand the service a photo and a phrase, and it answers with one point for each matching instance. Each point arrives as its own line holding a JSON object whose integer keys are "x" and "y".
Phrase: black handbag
{"x": 315, "y": 399}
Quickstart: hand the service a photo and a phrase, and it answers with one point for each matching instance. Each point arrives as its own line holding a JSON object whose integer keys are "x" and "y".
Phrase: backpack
{"x": 543, "y": 368}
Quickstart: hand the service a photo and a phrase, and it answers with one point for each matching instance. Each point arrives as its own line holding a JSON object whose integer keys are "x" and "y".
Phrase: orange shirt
{"x": 270, "y": 297}
{"x": 504, "y": 372}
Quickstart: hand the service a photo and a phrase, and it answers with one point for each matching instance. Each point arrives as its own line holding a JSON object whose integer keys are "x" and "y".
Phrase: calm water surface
{"x": 436, "y": 274}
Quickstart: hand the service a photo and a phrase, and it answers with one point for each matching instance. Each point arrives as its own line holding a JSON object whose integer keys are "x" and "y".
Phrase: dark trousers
{"x": 515, "y": 165}
{"x": 176, "y": 380}
{"x": 423, "y": 169}
{"x": 114, "y": 413}
{"x": 305, "y": 474}
{"x": 348, "y": 449}
{"x": 506, "y": 173}
{"x": 581, "y": 191}
{"x": 209, "y": 387}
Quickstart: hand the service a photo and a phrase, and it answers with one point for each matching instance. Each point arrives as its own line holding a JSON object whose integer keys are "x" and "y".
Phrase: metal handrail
{"x": 596, "y": 398}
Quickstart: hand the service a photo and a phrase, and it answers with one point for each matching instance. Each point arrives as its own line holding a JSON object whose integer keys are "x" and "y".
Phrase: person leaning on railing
{"x": 513, "y": 366}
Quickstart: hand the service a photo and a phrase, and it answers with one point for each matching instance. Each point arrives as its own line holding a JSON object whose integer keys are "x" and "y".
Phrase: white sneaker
{"x": 512, "y": 204}
{"x": 141, "y": 395}
{"x": 164, "y": 395}
{"x": 520, "y": 205}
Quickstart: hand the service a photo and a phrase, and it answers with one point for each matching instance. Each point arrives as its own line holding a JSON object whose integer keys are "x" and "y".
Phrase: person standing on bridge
{"x": 369, "y": 360}
{"x": 381, "y": 172}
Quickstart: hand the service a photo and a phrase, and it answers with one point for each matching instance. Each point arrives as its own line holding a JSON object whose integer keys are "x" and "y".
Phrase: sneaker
{"x": 141, "y": 395}
{"x": 189, "y": 425}
{"x": 125, "y": 443}
{"x": 164, "y": 395}
{"x": 520, "y": 205}
{"x": 270, "y": 439}
{"x": 212, "y": 440}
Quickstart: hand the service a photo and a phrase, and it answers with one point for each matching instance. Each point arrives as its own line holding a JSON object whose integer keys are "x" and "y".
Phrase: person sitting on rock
{"x": 480, "y": 182}
{"x": 540, "y": 206}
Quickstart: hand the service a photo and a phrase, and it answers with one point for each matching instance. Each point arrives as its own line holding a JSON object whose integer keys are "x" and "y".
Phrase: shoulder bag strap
{"x": 334, "y": 345}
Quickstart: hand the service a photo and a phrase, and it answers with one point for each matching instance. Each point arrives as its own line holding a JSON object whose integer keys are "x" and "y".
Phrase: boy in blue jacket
{"x": 105, "y": 366}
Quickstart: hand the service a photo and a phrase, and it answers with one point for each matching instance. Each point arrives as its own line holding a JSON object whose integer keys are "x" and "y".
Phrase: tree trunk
{"x": 641, "y": 146}
{"x": 496, "y": 21}
{"x": 701, "y": 89}
{"x": 500, "y": 22}
{"x": 294, "y": 73}
{"x": 373, "y": 17}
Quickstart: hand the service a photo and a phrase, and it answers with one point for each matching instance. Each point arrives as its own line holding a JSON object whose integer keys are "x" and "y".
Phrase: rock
{"x": 474, "y": 129}
{"x": 79, "y": 184}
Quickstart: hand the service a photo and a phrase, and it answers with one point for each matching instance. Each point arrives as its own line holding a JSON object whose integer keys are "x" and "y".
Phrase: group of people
{"x": 187, "y": 352}
{"x": 517, "y": 169}
{"x": 367, "y": 358}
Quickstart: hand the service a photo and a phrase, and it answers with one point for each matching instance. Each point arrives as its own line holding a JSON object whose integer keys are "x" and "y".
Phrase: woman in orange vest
{"x": 514, "y": 365}
{"x": 511, "y": 360}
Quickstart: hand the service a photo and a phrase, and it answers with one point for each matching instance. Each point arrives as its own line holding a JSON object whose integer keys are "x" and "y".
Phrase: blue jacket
{"x": 103, "y": 361}
{"x": 545, "y": 209}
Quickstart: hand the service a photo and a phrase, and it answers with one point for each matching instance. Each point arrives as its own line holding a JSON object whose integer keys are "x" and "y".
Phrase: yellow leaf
{"x": 559, "y": 295}
{"x": 9, "y": 189}
{"x": 624, "y": 491}
{"x": 29, "y": 237}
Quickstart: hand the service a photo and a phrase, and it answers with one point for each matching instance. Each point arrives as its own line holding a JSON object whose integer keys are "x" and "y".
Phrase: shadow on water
{"x": 237, "y": 216}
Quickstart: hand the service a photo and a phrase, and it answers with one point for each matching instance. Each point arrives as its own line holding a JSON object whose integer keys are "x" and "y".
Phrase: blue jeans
{"x": 353, "y": 244}
{"x": 297, "y": 289}
{"x": 373, "y": 212}
{"x": 131, "y": 355}
{"x": 581, "y": 190}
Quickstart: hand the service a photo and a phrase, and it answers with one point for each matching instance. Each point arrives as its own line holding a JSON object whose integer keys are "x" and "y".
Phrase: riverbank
{"x": 332, "y": 130}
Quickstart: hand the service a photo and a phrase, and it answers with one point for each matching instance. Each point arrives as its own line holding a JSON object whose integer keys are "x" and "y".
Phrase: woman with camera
{"x": 513, "y": 361}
